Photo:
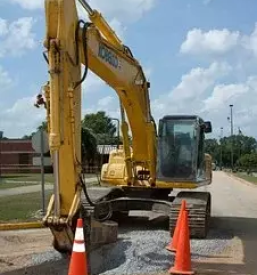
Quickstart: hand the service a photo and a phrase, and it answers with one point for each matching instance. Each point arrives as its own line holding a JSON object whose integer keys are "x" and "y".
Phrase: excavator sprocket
{"x": 198, "y": 205}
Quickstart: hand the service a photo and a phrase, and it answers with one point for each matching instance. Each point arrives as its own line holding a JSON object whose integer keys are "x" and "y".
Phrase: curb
{"x": 241, "y": 180}
{"x": 22, "y": 225}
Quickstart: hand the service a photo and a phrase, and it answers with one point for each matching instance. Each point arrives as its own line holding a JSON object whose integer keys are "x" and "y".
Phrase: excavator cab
{"x": 181, "y": 156}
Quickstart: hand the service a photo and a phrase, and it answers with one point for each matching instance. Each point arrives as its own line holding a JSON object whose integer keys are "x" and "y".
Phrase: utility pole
{"x": 231, "y": 125}
{"x": 1, "y": 136}
{"x": 240, "y": 141}
{"x": 221, "y": 136}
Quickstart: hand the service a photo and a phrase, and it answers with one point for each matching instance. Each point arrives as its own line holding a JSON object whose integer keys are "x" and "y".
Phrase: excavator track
{"x": 100, "y": 194}
{"x": 198, "y": 205}
{"x": 99, "y": 232}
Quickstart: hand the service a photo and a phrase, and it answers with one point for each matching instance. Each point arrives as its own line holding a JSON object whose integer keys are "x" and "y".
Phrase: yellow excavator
{"x": 139, "y": 175}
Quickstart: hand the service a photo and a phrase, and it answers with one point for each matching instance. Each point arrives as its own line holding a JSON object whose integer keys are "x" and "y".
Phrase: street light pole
{"x": 231, "y": 125}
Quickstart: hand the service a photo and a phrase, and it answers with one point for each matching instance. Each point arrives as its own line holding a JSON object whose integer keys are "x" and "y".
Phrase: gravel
{"x": 144, "y": 250}
{"x": 40, "y": 258}
{"x": 136, "y": 251}
{"x": 140, "y": 250}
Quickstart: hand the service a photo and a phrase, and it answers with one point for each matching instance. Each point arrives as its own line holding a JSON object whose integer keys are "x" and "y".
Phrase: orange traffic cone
{"x": 172, "y": 246}
{"x": 78, "y": 261}
{"x": 183, "y": 255}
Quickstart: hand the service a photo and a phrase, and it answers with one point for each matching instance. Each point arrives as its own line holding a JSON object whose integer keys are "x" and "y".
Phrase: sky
{"x": 200, "y": 56}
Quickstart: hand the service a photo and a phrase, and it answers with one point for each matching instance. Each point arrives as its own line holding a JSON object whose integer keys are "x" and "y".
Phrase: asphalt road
{"x": 234, "y": 210}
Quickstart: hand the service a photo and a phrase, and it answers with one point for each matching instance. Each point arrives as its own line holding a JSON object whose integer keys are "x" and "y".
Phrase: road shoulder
{"x": 241, "y": 180}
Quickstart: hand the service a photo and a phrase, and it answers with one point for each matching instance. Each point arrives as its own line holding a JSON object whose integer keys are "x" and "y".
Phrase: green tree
{"x": 225, "y": 146}
{"x": 212, "y": 148}
{"x": 245, "y": 144}
{"x": 242, "y": 145}
{"x": 88, "y": 145}
{"x": 43, "y": 126}
{"x": 28, "y": 136}
{"x": 248, "y": 162}
{"x": 102, "y": 126}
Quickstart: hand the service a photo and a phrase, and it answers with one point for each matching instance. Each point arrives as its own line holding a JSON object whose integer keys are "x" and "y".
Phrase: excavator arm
{"x": 70, "y": 42}
{"x": 117, "y": 67}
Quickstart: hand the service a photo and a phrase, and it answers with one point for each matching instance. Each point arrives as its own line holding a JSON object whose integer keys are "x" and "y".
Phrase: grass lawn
{"x": 21, "y": 207}
{"x": 27, "y": 177}
{"x": 247, "y": 178}
{"x": 18, "y": 180}
{"x": 7, "y": 185}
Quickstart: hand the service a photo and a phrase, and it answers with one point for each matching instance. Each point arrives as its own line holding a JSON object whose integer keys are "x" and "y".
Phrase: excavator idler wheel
{"x": 199, "y": 213}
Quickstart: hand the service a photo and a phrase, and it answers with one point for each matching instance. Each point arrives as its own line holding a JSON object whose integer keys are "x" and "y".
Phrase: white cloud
{"x": 21, "y": 118}
{"x": 105, "y": 101}
{"x": 202, "y": 92}
{"x": 194, "y": 84}
{"x": 118, "y": 14}
{"x": 122, "y": 10}
{"x": 109, "y": 104}
{"x": 5, "y": 80}
{"x": 3, "y": 27}
{"x": 212, "y": 101}
{"x": 213, "y": 41}
{"x": 250, "y": 42}
{"x": 243, "y": 96}
{"x": 118, "y": 28}
{"x": 92, "y": 83}
{"x": 16, "y": 37}
{"x": 29, "y": 4}
{"x": 187, "y": 96}
{"x": 223, "y": 95}
{"x": 217, "y": 41}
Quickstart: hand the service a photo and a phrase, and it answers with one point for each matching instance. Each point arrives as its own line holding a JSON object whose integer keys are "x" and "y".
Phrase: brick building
{"x": 16, "y": 156}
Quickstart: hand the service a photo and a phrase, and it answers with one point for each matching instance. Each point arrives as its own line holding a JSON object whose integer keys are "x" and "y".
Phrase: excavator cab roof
{"x": 206, "y": 125}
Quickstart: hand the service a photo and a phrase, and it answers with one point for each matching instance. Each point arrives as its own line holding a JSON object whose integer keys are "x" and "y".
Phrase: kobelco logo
{"x": 108, "y": 56}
